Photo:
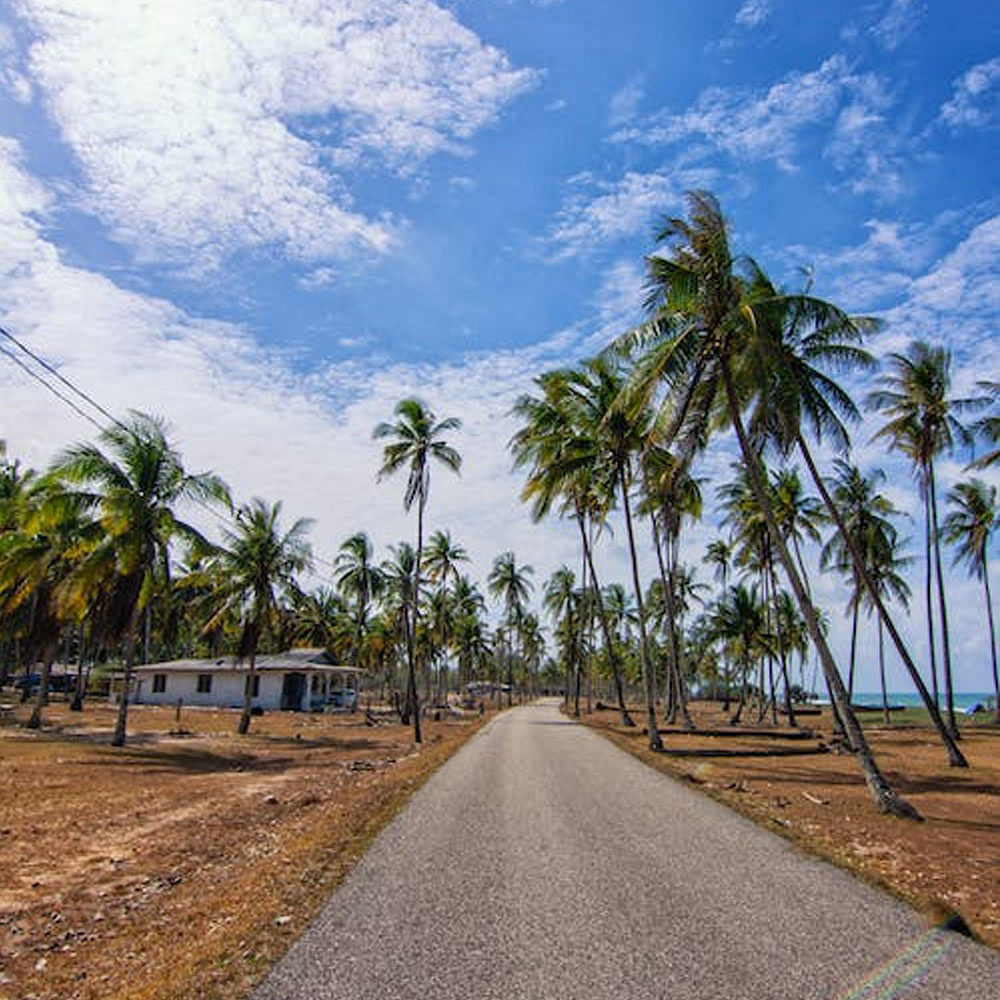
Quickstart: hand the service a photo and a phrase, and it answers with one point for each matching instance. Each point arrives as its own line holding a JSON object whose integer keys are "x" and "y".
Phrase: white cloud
{"x": 237, "y": 114}
{"x": 898, "y": 22}
{"x": 624, "y": 103}
{"x": 976, "y": 99}
{"x": 753, "y": 13}
{"x": 598, "y": 212}
{"x": 242, "y": 411}
{"x": 754, "y": 125}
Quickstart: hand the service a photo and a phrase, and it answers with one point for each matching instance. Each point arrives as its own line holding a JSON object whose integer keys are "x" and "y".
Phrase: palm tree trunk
{"x": 42, "y": 698}
{"x": 942, "y": 605}
{"x": 783, "y": 660}
{"x": 655, "y": 743}
{"x": 881, "y": 673}
{"x": 955, "y": 756}
{"x": 854, "y": 636}
{"x": 885, "y": 797}
{"x": 244, "y": 725}
{"x": 928, "y": 599}
{"x": 602, "y": 614}
{"x": 413, "y": 699}
{"x": 993, "y": 638}
{"x": 131, "y": 641}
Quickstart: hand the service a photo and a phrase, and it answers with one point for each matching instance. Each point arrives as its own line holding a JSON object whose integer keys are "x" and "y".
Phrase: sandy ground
{"x": 184, "y": 865}
{"x": 949, "y": 862}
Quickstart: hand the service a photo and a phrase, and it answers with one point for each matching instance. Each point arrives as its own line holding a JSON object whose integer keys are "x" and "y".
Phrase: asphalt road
{"x": 542, "y": 862}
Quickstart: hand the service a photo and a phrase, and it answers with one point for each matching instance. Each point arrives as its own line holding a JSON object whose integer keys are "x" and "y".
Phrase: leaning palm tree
{"x": 922, "y": 424}
{"x": 702, "y": 348}
{"x": 256, "y": 562}
{"x": 132, "y": 479}
{"x": 416, "y": 440}
{"x": 968, "y": 527}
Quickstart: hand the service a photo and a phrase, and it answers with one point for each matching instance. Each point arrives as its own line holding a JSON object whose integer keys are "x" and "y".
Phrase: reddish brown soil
{"x": 182, "y": 866}
{"x": 949, "y": 862}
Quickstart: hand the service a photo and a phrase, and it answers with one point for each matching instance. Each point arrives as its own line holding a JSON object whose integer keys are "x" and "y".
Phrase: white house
{"x": 298, "y": 680}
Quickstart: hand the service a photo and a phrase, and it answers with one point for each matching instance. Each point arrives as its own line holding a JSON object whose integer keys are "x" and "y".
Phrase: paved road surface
{"x": 542, "y": 862}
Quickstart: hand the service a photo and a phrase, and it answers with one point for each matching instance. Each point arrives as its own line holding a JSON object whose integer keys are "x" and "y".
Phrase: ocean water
{"x": 963, "y": 699}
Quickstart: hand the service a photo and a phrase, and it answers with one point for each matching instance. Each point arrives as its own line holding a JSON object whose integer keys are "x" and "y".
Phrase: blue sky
{"x": 270, "y": 221}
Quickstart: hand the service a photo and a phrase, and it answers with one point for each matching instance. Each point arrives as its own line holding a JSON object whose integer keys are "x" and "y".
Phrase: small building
{"x": 297, "y": 680}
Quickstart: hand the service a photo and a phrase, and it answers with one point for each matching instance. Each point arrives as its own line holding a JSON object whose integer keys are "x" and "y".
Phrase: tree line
{"x": 96, "y": 562}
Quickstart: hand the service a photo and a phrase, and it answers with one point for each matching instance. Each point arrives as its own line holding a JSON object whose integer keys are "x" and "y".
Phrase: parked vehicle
{"x": 344, "y": 699}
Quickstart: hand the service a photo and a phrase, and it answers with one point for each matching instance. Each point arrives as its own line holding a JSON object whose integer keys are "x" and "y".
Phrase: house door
{"x": 292, "y": 689}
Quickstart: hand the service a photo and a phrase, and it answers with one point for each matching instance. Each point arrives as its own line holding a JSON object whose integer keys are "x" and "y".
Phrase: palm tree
{"x": 509, "y": 582}
{"x": 865, "y": 514}
{"x": 255, "y": 561}
{"x": 561, "y": 600}
{"x": 988, "y": 427}
{"x": 566, "y": 461}
{"x": 322, "y": 619}
{"x": 357, "y": 576}
{"x": 719, "y": 554}
{"x": 597, "y": 388}
{"x": 968, "y": 527}
{"x": 133, "y": 486}
{"x": 922, "y": 424}
{"x": 36, "y": 559}
{"x": 883, "y": 567}
{"x": 706, "y": 343}
{"x": 739, "y": 620}
{"x": 416, "y": 440}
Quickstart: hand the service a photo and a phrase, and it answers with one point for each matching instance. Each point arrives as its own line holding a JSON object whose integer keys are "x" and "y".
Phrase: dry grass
{"x": 947, "y": 863}
{"x": 183, "y": 866}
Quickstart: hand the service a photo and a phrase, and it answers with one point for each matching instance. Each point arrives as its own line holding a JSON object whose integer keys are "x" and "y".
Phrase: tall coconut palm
{"x": 358, "y": 577}
{"x": 416, "y": 440}
{"x": 566, "y": 462}
{"x": 884, "y": 567}
{"x": 865, "y": 514}
{"x": 922, "y": 424}
{"x": 620, "y": 433}
{"x": 702, "y": 346}
{"x": 719, "y": 554}
{"x": 133, "y": 479}
{"x": 968, "y": 526}
{"x": 257, "y": 562}
{"x": 511, "y": 584}
{"x": 793, "y": 343}
{"x": 988, "y": 427}
{"x": 561, "y": 599}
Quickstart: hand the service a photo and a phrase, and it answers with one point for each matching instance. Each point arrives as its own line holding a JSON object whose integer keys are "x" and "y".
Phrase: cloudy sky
{"x": 269, "y": 220}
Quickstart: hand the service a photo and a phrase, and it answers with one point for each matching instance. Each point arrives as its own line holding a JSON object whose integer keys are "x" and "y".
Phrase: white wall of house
{"x": 226, "y": 690}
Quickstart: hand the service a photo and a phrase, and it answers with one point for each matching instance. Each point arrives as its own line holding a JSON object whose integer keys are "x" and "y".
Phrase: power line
{"x": 97, "y": 406}
{"x": 65, "y": 381}
{"x": 69, "y": 402}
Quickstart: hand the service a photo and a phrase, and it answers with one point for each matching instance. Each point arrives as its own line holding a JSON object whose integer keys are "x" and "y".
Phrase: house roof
{"x": 304, "y": 660}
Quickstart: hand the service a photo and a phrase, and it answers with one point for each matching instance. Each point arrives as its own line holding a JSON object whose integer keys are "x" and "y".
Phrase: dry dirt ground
{"x": 183, "y": 865}
{"x": 948, "y": 863}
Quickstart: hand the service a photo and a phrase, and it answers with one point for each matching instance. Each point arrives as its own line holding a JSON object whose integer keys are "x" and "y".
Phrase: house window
{"x": 204, "y": 683}
{"x": 159, "y": 683}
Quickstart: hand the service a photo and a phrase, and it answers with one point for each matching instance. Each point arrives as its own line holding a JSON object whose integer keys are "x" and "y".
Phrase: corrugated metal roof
{"x": 315, "y": 660}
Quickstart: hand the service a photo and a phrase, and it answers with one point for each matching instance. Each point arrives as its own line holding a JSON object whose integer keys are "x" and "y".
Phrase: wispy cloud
{"x": 753, "y": 13}
{"x": 241, "y": 119}
{"x": 976, "y": 99}
{"x": 598, "y": 212}
{"x": 898, "y": 22}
